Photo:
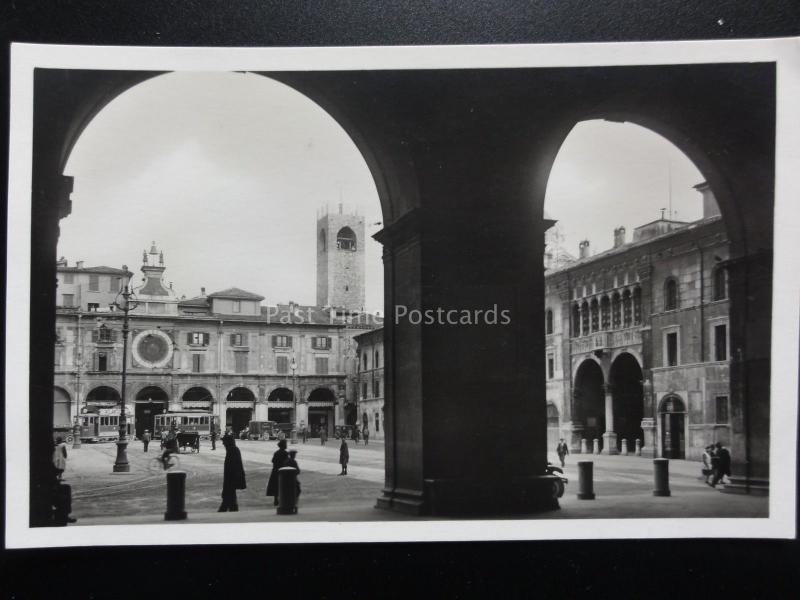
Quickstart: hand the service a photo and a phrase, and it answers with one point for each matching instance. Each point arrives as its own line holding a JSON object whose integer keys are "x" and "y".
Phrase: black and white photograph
{"x": 402, "y": 294}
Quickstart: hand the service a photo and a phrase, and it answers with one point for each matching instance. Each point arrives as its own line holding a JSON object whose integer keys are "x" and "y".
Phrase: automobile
{"x": 262, "y": 430}
{"x": 560, "y": 482}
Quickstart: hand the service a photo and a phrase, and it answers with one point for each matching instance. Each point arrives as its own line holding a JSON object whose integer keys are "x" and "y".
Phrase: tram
{"x": 188, "y": 421}
{"x": 102, "y": 426}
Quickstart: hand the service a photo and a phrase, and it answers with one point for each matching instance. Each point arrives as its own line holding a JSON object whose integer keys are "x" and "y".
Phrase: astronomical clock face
{"x": 152, "y": 348}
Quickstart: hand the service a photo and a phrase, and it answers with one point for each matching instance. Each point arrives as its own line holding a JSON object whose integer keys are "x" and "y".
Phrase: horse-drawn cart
{"x": 190, "y": 440}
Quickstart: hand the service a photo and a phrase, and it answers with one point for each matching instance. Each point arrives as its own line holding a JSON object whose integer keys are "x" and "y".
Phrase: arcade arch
{"x": 62, "y": 413}
{"x": 280, "y": 404}
{"x": 590, "y": 401}
{"x": 321, "y": 410}
{"x": 626, "y": 380}
{"x": 150, "y": 401}
{"x": 240, "y": 403}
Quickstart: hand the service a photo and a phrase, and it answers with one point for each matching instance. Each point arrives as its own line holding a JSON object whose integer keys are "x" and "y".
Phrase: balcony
{"x": 605, "y": 340}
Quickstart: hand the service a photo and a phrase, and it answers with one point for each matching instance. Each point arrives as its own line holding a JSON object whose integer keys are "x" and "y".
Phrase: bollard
{"x": 585, "y": 480}
{"x": 584, "y": 446}
{"x": 176, "y": 492}
{"x": 661, "y": 472}
{"x": 596, "y": 449}
{"x": 625, "y": 449}
{"x": 638, "y": 447}
{"x": 287, "y": 491}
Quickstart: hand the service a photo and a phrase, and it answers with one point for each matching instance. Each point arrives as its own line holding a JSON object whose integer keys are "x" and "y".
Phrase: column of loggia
{"x": 610, "y": 436}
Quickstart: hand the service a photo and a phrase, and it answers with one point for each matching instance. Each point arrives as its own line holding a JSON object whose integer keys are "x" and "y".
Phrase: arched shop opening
{"x": 150, "y": 401}
{"x": 590, "y": 401}
{"x": 672, "y": 421}
{"x": 102, "y": 397}
{"x": 626, "y": 381}
{"x": 280, "y": 404}
{"x": 240, "y": 405}
{"x": 197, "y": 398}
{"x": 61, "y": 409}
{"x": 321, "y": 411}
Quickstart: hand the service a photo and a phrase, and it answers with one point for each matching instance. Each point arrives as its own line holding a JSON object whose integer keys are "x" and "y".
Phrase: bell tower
{"x": 340, "y": 260}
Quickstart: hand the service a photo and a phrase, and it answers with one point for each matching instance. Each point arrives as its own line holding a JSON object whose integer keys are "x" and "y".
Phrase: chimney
{"x": 619, "y": 237}
{"x": 710, "y": 206}
{"x": 79, "y": 264}
{"x": 583, "y": 249}
{"x": 202, "y": 291}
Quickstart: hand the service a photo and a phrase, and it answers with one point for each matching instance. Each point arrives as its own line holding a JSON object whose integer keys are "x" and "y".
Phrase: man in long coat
{"x": 278, "y": 460}
{"x": 232, "y": 475}
{"x": 344, "y": 456}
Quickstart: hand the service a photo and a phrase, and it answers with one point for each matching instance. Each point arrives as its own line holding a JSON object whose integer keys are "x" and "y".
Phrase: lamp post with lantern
{"x": 293, "y": 366}
{"x": 126, "y": 301}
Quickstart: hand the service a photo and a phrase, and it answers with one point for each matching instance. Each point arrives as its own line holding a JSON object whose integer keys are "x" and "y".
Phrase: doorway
{"x": 144, "y": 415}
{"x": 673, "y": 437}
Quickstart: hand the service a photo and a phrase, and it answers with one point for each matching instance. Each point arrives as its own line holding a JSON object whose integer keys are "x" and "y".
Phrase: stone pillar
{"x": 649, "y": 443}
{"x": 610, "y": 436}
{"x": 574, "y": 434}
{"x": 584, "y": 446}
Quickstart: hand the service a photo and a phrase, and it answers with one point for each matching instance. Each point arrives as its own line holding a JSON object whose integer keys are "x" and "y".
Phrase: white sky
{"x": 226, "y": 172}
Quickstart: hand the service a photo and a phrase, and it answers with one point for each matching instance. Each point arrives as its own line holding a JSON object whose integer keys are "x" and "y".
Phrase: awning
{"x": 196, "y": 404}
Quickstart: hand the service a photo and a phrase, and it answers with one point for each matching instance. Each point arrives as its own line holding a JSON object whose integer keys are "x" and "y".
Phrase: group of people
{"x": 716, "y": 464}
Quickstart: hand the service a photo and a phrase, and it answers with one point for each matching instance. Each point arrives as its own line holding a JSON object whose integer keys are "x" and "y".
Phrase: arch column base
{"x": 408, "y": 502}
{"x": 649, "y": 441}
{"x": 610, "y": 443}
{"x": 741, "y": 485}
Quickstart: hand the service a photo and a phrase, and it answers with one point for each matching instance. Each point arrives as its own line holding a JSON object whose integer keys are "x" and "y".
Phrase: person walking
{"x": 146, "y": 439}
{"x": 707, "y": 470}
{"x": 278, "y": 460}
{"x": 60, "y": 457}
{"x": 355, "y": 434}
{"x": 323, "y": 435}
{"x": 233, "y": 477}
{"x": 366, "y": 435}
{"x": 304, "y": 433}
{"x": 562, "y": 450}
{"x": 213, "y": 439}
{"x": 292, "y": 462}
{"x": 723, "y": 464}
{"x": 344, "y": 456}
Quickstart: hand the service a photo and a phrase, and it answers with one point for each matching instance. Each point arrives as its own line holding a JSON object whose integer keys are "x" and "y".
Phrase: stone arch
{"x": 62, "y": 407}
{"x": 280, "y": 394}
{"x": 145, "y": 391}
{"x": 197, "y": 393}
{"x": 626, "y": 379}
{"x": 589, "y": 399}
{"x": 346, "y": 239}
{"x": 672, "y": 426}
{"x": 103, "y": 394}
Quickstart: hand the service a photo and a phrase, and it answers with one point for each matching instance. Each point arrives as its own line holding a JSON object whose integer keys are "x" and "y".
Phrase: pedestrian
{"x": 213, "y": 439}
{"x": 281, "y": 435}
{"x": 344, "y": 456}
{"x": 562, "y": 450}
{"x": 707, "y": 470}
{"x": 278, "y": 461}
{"x": 292, "y": 462}
{"x": 323, "y": 435}
{"x": 146, "y": 439}
{"x": 366, "y": 435}
{"x": 232, "y": 475}
{"x": 355, "y": 434}
{"x": 60, "y": 457}
{"x": 304, "y": 433}
{"x": 723, "y": 464}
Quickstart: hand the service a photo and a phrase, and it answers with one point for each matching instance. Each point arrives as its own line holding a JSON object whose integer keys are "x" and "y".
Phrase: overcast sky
{"x": 226, "y": 172}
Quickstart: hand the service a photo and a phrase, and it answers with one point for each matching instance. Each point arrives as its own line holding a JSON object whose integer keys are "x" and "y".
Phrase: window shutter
{"x": 188, "y": 338}
{"x": 233, "y": 339}
{"x": 95, "y": 362}
{"x": 206, "y": 339}
{"x": 94, "y": 335}
{"x": 289, "y": 341}
{"x": 274, "y": 341}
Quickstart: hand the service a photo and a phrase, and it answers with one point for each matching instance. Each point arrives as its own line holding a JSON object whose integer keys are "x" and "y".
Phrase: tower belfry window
{"x": 346, "y": 239}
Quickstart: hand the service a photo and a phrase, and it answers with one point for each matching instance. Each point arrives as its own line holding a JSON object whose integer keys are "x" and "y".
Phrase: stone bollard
{"x": 625, "y": 449}
{"x": 584, "y": 446}
{"x": 661, "y": 473}
{"x": 638, "y": 447}
{"x": 596, "y": 448}
{"x": 287, "y": 491}
{"x": 176, "y": 496}
{"x": 585, "y": 480}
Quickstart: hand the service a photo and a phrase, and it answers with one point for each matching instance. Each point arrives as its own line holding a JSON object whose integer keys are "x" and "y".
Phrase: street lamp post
{"x": 121, "y": 464}
{"x": 294, "y": 399}
{"x": 76, "y": 429}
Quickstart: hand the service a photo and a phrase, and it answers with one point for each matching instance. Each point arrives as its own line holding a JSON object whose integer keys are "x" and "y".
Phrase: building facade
{"x": 637, "y": 341}
{"x": 370, "y": 384}
{"x": 223, "y": 352}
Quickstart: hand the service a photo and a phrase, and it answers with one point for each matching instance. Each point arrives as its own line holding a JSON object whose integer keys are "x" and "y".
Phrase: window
{"x": 585, "y": 319}
{"x": 377, "y": 422}
{"x": 364, "y": 389}
{"x": 94, "y": 283}
{"x": 627, "y": 312}
{"x": 69, "y": 277}
{"x": 376, "y": 389}
{"x": 720, "y": 342}
{"x": 197, "y": 363}
{"x": 103, "y": 335}
{"x": 321, "y": 343}
{"x": 576, "y": 321}
{"x": 670, "y": 294}
{"x": 114, "y": 284}
{"x": 240, "y": 359}
{"x": 377, "y": 359}
{"x": 197, "y": 338}
{"x": 102, "y": 361}
{"x": 364, "y": 357}
{"x": 282, "y": 364}
{"x": 93, "y": 306}
{"x": 281, "y": 341}
{"x": 721, "y": 403}
{"x": 238, "y": 339}
{"x": 637, "y": 306}
{"x": 595, "y": 315}
{"x": 321, "y": 363}
{"x": 346, "y": 239}
{"x": 548, "y": 322}
{"x": 720, "y": 279}
{"x": 672, "y": 349}
{"x": 237, "y": 306}
{"x": 68, "y": 300}
{"x": 605, "y": 313}
{"x": 616, "y": 311}
{"x": 551, "y": 367}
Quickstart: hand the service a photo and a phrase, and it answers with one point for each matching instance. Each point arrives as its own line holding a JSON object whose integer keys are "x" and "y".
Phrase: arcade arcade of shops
{"x": 637, "y": 343}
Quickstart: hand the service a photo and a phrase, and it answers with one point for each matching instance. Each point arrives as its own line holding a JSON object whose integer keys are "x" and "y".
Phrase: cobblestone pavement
{"x": 623, "y": 485}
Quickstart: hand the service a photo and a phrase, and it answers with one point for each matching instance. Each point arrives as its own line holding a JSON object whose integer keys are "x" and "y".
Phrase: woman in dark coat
{"x": 278, "y": 460}
{"x": 233, "y": 475}
{"x": 344, "y": 456}
{"x": 292, "y": 462}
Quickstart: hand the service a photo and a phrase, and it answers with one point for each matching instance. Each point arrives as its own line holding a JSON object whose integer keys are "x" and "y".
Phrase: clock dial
{"x": 152, "y": 348}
